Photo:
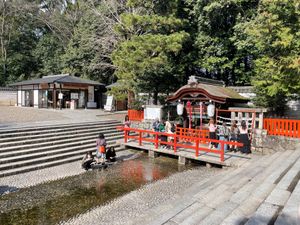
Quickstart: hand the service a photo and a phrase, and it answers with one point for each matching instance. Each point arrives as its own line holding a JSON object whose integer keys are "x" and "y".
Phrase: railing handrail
{"x": 175, "y": 144}
{"x": 282, "y": 119}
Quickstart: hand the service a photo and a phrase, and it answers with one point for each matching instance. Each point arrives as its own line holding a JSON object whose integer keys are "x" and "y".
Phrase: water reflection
{"x": 60, "y": 200}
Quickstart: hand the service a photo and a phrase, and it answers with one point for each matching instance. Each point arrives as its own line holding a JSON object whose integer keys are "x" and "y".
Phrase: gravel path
{"x": 135, "y": 205}
{"x": 12, "y": 183}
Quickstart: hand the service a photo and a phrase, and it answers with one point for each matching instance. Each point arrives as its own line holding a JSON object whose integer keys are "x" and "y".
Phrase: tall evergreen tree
{"x": 217, "y": 56}
{"x": 154, "y": 38}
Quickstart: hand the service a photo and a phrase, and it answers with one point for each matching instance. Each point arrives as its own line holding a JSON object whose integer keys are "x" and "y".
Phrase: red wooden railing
{"x": 282, "y": 127}
{"x": 135, "y": 115}
{"x": 188, "y": 132}
{"x": 178, "y": 141}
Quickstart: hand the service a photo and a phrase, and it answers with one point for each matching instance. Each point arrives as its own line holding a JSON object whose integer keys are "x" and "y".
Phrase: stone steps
{"x": 47, "y": 163}
{"x": 225, "y": 202}
{"x": 271, "y": 207}
{"x": 4, "y": 132}
{"x": 188, "y": 209}
{"x": 41, "y": 147}
{"x": 46, "y": 146}
{"x": 37, "y": 154}
{"x": 46, "y": 133}
{"x": 56, "y": 137}
{"x": 290, "y": 214}
{"x": 255, "y": 193}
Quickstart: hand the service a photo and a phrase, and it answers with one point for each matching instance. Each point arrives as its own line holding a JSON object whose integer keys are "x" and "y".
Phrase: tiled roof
{"x": 62, "y": 78}
{"x": 212, "y": 91}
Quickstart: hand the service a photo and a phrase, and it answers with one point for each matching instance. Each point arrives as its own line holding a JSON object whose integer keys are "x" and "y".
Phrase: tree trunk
{"x": 155, "y": 97}
{"x": 131, "y": 98}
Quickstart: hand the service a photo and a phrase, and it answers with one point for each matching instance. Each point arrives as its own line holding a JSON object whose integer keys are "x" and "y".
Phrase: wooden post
{"x": 197, "y": 147}
{"x": 140, "y": 138}
{"x": 125, "y": 135}
{"x": 175, "y": 143}
{"x": 156, "y": 141}
{"x": 222, "y": 151}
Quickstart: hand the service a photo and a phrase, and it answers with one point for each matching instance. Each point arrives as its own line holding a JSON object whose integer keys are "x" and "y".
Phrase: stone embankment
{"x": 264, "y": 190}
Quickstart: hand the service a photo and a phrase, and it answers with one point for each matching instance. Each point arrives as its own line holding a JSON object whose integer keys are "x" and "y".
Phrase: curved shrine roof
{"x": 212, "y": 92}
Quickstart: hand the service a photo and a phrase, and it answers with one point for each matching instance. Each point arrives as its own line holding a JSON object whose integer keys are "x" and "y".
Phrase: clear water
{"x": 56, "y": 201}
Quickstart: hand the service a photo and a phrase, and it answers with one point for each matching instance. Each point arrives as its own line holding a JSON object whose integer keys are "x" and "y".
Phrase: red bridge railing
{"x": 282, "y": 127}
{"x": 178, "y": 141}
{"x": 135, "y": 115}
{"x": 188, "y": 132}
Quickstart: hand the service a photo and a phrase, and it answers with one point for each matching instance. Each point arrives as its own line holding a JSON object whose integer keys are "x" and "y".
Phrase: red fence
{"x": 282, "y": 127}
{"x": 175, "y": 141}
{"x": 187, "y": 132}
{"x": 135, "y": 115}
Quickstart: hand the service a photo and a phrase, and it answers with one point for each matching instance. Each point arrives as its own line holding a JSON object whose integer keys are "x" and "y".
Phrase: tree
{"x": 217, "y": 56}
{"x": 48, "y": 53}
{"x": 154, "y": 38}
{"x": 89, "y": 51}
{"x": 17, "y": 39}
{"x": 274, "y": 38}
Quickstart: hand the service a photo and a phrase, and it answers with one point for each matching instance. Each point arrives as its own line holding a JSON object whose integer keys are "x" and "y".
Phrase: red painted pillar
{"x": 222, "y": 151}
{"x": 197, "y": 147}
{"x": 125, "y": 135}
{"x": 140, "y": 138}
{"x": 156, "y": 141}
{"x": 175, "y": 143}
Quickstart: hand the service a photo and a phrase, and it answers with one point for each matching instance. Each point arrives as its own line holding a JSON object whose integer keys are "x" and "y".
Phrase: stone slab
{"x": 278, "y": 197}
{"x": 290, "y": 215}
{"x": 186, "y": 213}
{"x": 218, "y": 215}
{"x": 198, "y": 216}
{"x": 234, "y": 218}
{"x": 265, "y": 214}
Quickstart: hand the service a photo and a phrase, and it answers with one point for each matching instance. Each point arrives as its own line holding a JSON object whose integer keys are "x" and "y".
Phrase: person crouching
{"x": 111, "y": 154}
{"x": 87, "y": 161}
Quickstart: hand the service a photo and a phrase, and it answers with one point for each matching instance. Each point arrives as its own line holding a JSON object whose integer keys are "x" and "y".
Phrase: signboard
{"x": 74, "y": 96}
{"x": 109, "y": 103}
{"x": 60, "y": 95}
{"x": 152, "y": 112}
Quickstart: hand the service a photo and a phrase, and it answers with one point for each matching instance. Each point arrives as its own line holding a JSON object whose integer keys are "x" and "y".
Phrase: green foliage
{"x": 152, "y": 46}
{"x": 215, "y": 40}
{"x": 146, "y": 59}
{"x": 137, "y": 104}
{"x": 48, "y": 52}
{"x": 274, "y": 39}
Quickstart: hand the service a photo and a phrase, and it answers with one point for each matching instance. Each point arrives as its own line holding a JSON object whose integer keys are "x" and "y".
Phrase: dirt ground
{"x": 13, "y": 114}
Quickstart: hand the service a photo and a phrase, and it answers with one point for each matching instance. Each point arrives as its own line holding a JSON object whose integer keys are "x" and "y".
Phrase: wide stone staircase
{"x": 30, "y": 148}
{"x": 263, "y": 191}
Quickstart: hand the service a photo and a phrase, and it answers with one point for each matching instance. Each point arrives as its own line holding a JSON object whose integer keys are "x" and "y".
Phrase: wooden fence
{"x": 282, "y": 127}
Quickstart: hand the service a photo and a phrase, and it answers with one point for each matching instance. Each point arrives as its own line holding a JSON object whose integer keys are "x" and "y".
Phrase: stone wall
{"x": 146, "y": 125}
{"x": 266, "y": 144}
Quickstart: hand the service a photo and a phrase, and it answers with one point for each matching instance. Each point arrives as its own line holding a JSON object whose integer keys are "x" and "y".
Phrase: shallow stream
{"x": 56, "y": 201}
